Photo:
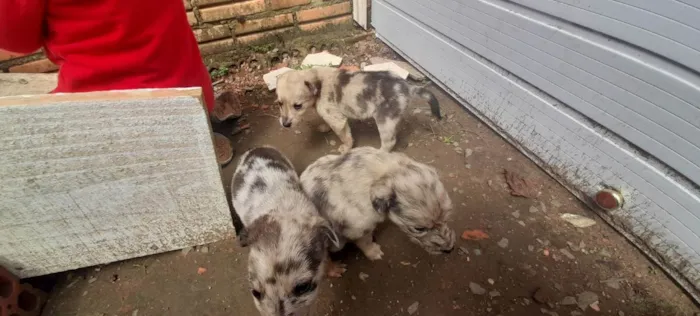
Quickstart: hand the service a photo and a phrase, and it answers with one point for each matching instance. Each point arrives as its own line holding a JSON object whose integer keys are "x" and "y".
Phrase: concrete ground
{"x": 532, "y": 263}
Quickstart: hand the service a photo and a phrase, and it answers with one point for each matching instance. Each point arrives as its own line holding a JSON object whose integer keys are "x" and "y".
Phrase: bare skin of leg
{"x": 335, "y": 269}
{"x": 371, "y": 249}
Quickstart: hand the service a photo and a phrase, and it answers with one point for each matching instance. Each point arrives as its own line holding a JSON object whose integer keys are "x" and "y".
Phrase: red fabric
{"x": 108, "y": 44}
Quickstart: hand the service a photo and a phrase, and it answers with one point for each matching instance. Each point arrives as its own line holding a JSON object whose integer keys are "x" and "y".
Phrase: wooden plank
{"x": 359, "y": 12}
{"x": 98, "y": 177}
{"x": 26, "y": 84}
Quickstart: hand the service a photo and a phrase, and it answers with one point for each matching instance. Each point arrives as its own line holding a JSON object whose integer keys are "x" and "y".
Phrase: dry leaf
{"x": 475, "y": 234}
{"x": 519, "y": 186}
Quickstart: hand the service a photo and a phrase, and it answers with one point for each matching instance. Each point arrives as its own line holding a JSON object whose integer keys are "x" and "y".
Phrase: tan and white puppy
{"x": 358, "y": 190}
{"x": 288, "y": 238}
{"x": 338, "y": 95}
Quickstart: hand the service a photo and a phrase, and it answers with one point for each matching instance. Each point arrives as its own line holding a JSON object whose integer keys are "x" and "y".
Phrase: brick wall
{"x": 222, "y": 26}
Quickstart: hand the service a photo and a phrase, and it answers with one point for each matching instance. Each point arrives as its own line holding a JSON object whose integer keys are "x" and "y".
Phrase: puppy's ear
{"x": 313, "y": 86}
{"x": 263, "y": 230}
{"x": 383, "y": 194}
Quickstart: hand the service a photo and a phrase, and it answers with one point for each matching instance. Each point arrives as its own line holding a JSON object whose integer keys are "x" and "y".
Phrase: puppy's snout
{"x": 448, "y": 250}
{"x": 286, "y": 122}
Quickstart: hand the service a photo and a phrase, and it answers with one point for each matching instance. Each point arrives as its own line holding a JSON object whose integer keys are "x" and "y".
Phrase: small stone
{"x": 503, "y": 243}
{"x": 516, "y": 214}
{"x": 451, "y": 175}
{"x": 204, "y": 249}
{"x": 533, "y": 209}
{"x": 491, "y": 281}
{"x": 468, "y": 152}
{"x": 621, "y": 313}
{"x": 413, "y": 308}
{"x": 585, "y": 299}
{"x": 530, "y": 248}
{"x": 476, "y": 288}
{"x": 568, "y": 300}
{"x": 566, "y": 253}
{"x": 605, "y": 253}
{"x": 459, "y": 150}
{"x": 521, "y": 223}
{"x": 332, "y": 142}
{"x": 456, "y": 144}
{"x": 526, "y": 301}
{"x": 463, "y": 250}
{"x": 185, "y": 251}
{"x": 353, "y": 297}
{"x": 135, "y": 312}
{"x": 477, "y": 252}
{"x": 297, "y": 132}
{"x": 494, "y": 293}
{"x": 468, "y": 166}
{"x": 92, "y": 279}
{"x": 613, "y": 283}
{"x": 363, "y": 276}
{"x": 577, "y": 220}
{"x": 544, "y": 296}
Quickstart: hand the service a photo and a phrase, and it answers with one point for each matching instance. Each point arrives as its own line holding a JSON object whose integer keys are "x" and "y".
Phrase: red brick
{"x": 317, "y": 25}
{"x": 257, "y": 36}
{"x": 216, "y": 47}
{"x": 212, "y": 33}
{"x": 272, "y": 22}
{"x": 5, "y": 55}
{"x": 281, "y": 4}
{"x": 323, "y": 12}
{"x": 191, "y": 18}
{"x": 41, "y": 65}
{"x": 232, "y": 10}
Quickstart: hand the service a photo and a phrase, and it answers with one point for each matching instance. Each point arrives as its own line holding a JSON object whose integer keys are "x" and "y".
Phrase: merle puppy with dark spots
{"x": 358, "y": 190}
{"x": 339, "y": 95}
{"x": 288, "y": 239}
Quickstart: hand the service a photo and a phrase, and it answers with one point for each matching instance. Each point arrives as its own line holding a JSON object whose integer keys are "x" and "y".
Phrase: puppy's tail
{"x": 430, "y": 97}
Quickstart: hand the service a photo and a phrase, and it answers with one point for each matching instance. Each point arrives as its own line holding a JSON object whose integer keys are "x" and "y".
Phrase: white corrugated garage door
{"x": 598, "y": 92}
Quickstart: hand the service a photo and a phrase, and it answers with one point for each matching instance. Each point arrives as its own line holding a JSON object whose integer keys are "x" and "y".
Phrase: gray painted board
{"x": 550, "y": 87}
{"x": 94, "y": 178}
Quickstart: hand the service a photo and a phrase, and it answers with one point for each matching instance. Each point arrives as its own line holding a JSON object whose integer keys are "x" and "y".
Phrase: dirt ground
{"x": 532, "y": 263}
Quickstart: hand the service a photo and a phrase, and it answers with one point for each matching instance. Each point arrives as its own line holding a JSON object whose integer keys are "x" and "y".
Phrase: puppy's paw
{"x": 373, "y": 252}
{"x": 323, "y": 128}
{"x": 344, "y": 148}
{"x": 335, "y": 269}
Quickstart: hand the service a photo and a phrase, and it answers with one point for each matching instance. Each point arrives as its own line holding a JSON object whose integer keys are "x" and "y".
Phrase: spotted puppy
{"x": 289, "y": 240}
{"x": 360, "y": 189}
{"x": 339, "y": 95}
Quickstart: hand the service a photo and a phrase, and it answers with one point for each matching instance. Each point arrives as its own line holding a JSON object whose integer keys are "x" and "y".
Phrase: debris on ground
{"x": 613, "y": 283}
{"x": 518, "y": 185}
{"x": 476, "y": 288}
{"x": 324, "y": 59}
{"x": 413, "y": 73}
{"x": 203, "y": 249}
{"x": 474, "y": 234}
{"x": 567, "y": 254}
{"x": 585, "y": 299}
{"x": 568, "y": 300}
{"x": 92, "y": 279}
{"x": 350, "y": 68}
{"x": 544, "y": 295}
{"x": 186, "y": 250}
{"x": 363, "y": 276}
{"x": 468, "y": 152}
{"x": 577, "y": 220}
{"x": 223, "y": 149}
{"x": 503, "y": 243}
{"x": 515, "y": 214}
{"x": 390, "y": 67}
{"x": 533, "y": 209}
{"x": 463, "y": 250}
{"x": 201, "y": 270}
{"x": 240, "y": 128}
{"x": 270, "y": 78}
{"x": 413, "y": 308}
{"x": 227, "y": 106}
{"x": 494, "y": 294}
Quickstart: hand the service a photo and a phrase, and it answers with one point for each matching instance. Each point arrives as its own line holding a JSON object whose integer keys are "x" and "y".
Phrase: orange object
{"x": 201, "y": 270}
{"x": 475, "y": 234}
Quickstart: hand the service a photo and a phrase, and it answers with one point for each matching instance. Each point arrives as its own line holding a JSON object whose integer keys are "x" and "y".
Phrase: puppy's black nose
{"x": 287, "y": 124}
{"x": 448, "y": 250}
